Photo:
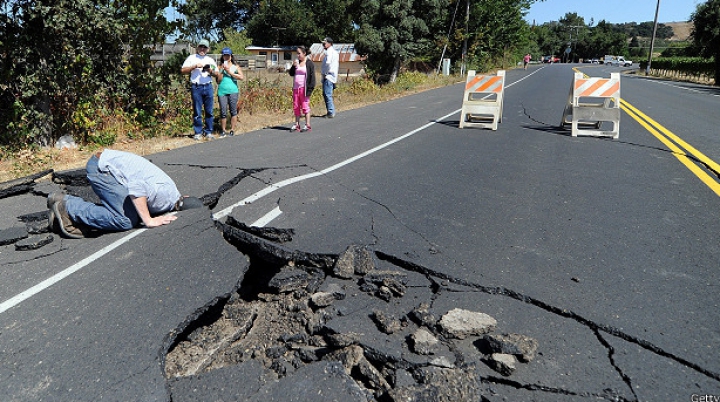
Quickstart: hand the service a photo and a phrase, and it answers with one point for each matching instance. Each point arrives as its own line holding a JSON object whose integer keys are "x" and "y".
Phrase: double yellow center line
{"x": 684, "y": 152}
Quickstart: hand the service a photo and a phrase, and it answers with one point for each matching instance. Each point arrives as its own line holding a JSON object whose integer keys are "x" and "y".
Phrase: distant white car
{"x": 620, "y": 61}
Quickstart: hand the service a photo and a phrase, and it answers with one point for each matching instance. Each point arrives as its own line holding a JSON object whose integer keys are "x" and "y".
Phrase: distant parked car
{"x": 595, "y": 61}
{"x": 550, "y": 59}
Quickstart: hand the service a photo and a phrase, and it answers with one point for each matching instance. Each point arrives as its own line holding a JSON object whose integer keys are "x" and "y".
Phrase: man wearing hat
{"x": 132, "y": 190}
{"x": 202, "y": 68}
{"x": 330, "y": 68}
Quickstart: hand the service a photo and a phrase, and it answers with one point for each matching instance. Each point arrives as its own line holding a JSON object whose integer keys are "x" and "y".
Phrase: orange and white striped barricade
{"x": 483, "y": 100}
{"x": 593, "y": 102}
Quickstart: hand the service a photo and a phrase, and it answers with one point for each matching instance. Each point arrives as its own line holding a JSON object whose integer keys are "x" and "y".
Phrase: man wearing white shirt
{"x": 330, "y": 68}
{"x": 202, "y": 68}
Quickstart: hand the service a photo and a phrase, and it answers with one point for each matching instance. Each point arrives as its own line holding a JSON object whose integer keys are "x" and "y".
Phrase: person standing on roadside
{"x": 330, "y": 68}
{"x": 526, "y": 60}
{"x": 228, "y": 91}
{"x": 202, "y": 68}
{"x": 303, "y": 73}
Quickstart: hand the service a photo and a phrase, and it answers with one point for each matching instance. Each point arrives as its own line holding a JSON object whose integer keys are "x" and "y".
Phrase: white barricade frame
{"x": 593, "y": 102}
{"x": 483, "y": 100}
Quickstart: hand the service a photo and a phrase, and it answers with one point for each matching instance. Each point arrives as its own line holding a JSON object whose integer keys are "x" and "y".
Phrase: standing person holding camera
{"x": 202, "y": 68}
{"x": 228, "y": 91}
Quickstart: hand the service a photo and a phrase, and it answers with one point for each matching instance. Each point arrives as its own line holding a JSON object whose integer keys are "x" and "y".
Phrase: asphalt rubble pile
{"x": 362, "y": 324}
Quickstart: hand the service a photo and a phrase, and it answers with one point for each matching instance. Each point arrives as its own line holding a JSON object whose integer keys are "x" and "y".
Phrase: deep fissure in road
{"x": 292, "y": 310}
{"x": 295, "y": 310}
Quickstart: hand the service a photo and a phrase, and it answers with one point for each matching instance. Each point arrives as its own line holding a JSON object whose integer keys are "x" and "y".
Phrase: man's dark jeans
{"x": 203, "y": 96}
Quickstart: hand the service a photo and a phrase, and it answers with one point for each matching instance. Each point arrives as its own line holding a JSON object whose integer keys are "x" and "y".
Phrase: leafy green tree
{"x": 498, "y": 28}
{"x": 237, "y": 41}
{"x": 547, "y": 39}
{"x": 635, "y": 49}
{"x": 60, "y": 58}
{"x": 209, "y": 18}
{"x": 283, "y": 22}
{"x": 393, "y": 31}
{"x": 269, "y": 22}
{"x": 706, "y": 32}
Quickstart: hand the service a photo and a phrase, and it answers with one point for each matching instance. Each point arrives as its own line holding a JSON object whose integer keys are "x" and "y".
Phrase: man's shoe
{"x": 330, "y": 115}
{"x": 209, "y": 137}
{"x": 58, "y": 218}
{"x": 197, "y": 137}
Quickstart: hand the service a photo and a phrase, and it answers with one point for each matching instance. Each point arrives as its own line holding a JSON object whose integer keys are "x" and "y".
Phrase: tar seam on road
{"x": 22, "y": 296}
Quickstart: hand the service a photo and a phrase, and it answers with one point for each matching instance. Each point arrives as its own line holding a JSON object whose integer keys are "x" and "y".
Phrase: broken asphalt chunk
{"x": 503, "y": 363}
{"x": 386, "y": 322}
{"x": 385, "y": 284}
{"x": 348, "y": 356}
{"x": 34, "y": 242}
{"x": 21, "y": 185}
{"x": 422, "y": 316}
{"x": 268, "y": 233}
{"x": 12, "y": 235}
{"x": 290, "y": 280}
{"x": 322, "y": 299}
{"x": 272, "y": 253}
{"x": 460, "y": 324}
{"x": 423, "y": 342}
{"x": 354, "y": 260}
{"x": 77, "y": 177}
{"x": 440, "y": 385}
{"x": 523, "y": 347}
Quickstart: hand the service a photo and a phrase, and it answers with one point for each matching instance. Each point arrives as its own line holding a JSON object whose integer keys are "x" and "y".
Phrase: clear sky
{"x": 613, "y": 11}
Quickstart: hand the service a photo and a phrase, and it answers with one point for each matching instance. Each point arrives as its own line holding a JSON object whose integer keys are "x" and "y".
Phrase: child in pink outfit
{"x": 303, "y": 71}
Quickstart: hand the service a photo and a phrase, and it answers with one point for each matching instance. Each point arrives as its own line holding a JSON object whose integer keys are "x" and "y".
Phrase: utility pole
{"x": 577, "y": 37}
{"x": 652, "y": 41}
{"x": 465, "y": 48}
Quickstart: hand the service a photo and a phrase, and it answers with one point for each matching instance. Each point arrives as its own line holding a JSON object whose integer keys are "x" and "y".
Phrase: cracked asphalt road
{"x": 603, "y": 251}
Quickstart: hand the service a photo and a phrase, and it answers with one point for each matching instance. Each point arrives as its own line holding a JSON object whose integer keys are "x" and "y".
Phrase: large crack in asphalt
{"x": 293, "y": 310}
{"x": 279, "y": 313}
{"x": 282, "y": 315}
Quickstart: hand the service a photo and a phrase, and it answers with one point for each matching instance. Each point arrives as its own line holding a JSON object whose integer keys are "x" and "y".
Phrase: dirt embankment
{"x": 681, "y": 30}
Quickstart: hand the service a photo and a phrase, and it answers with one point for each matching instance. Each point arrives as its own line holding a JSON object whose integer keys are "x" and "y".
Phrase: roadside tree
{"x": 706, "y": 32}
{"x": 393, "y": 31}
{"x": 63, "y": 60}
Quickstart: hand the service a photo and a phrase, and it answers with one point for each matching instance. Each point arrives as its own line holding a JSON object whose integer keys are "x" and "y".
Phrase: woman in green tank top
{"x": 228, "y": 90}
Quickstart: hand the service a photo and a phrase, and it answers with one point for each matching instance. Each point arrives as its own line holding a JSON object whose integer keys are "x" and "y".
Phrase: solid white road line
{"x": 267, "y": 218}
{"x": 277, "y": 186}
{"x": 22, "y": 296}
